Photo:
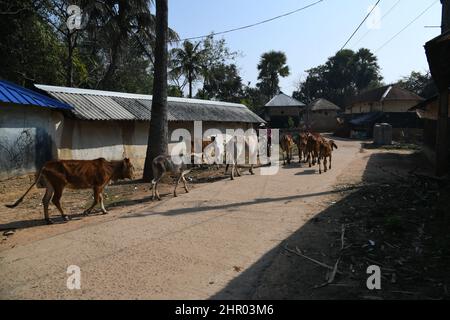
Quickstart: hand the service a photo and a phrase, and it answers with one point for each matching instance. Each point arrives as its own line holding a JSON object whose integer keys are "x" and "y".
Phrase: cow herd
{"x": 97, "y": 174}
{"x": 312, "y": 148}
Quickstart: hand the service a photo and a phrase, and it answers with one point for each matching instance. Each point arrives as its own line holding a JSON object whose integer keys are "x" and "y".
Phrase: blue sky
{"x": 311, "y": 36}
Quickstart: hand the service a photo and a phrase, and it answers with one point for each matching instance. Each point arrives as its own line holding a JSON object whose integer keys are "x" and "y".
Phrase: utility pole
{"x": 442, "y": 121}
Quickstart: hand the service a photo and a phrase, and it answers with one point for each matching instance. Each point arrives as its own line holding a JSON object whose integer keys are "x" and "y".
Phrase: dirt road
{"x": 191, "y": 247}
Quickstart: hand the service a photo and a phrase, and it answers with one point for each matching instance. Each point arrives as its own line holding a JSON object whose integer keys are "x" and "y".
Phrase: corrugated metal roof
{"x": 283, "y": 100}
{"x": 107, "y": 105}
{"x": 12, "y": 93}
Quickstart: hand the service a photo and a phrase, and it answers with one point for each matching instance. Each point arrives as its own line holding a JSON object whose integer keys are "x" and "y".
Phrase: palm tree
{"x": 271, "y": 67}
{"x": 189, "y": 61}
{"x": 124, "y": 22}
{"x": 158, "y": 133}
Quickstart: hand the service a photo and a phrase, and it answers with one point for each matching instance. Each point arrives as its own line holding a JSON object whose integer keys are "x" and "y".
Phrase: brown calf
{"x": 313, "y": 148}
{"x": 301, "y": 142}
{"x": 326, "y": 150}
{"x": 78, "y": 174}
{"x": 286, "y": 144}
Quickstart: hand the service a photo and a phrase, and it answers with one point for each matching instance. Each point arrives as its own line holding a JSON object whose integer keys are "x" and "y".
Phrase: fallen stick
{"x": 333, "y": 274}
{"x": 298, "y": 252}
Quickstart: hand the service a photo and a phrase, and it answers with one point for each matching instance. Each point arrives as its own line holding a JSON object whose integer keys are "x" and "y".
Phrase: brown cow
{"x": 286, "y": 144}
{"x": 313, "y": 147}
{"x": 326, "y": 149}
{"x": 78, "y": 174}
{"x": 301, "y": 142}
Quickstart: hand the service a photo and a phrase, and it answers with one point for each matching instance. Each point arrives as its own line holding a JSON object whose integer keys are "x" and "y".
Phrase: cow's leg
{"x": 232, "y": 171}
{"x": 251, "y": 170}
{"x": 320, "y": 169}
{"x": 94, "y": 203}
{"x": 57, "y": 202}
{"x": 226, "y": 168}
{"x": 102, "y": 205}
{"x": 185, "y": 183}
{"x": 176, "y": 185}
{"x": 325, "y": 164}
{"x": 155, "y": 192}
{"x": 46, "y": 200}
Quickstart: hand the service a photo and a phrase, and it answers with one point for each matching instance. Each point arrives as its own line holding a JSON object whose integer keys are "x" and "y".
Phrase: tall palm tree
{"x": 271, "y": 67}
{"x": 123, "y": 22}
{"x": 189, "y": 61}
{"x": 158, "y": 133}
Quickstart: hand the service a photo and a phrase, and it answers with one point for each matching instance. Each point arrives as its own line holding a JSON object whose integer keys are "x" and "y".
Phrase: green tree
{"x": 30, "y": 51}
{"x": 271, "y": 67}
{"x": 188, "y": 61}
{"x": 223, "y": 82}
{"x": 254, "y": 99}
{"x": 343, "y": 76}
{"x": 158, "y": 133}
{"x": 419, "y": 83}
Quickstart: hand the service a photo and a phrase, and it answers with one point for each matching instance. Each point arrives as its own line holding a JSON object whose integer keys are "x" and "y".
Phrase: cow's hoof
{"x": 175, "y": 195}
{"x": 66, "y": 218}
{"x": 48, "y": 221}
{"x": 105, "y": 212}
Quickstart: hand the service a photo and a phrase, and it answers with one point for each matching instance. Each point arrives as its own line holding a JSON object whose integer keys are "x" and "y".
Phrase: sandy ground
{"x": 222, "y": 240}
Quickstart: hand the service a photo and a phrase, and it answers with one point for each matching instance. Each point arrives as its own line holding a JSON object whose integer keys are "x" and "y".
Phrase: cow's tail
{"x": 333, "y": 145}
{"x": 15, "y": 204}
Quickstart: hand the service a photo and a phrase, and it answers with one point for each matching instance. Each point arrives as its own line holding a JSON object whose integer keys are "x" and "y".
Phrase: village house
{"x": 29, "y": 125}
{"x": 321, "y": 115}
{"x": 88, "y": 124}
{"x": 391, "y": 98}
{"x": 388, "y": 104}
{"x": 283, "y": 111}
{"x": 427, "y": 111}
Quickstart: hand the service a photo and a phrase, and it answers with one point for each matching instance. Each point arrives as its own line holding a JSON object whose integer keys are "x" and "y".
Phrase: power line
{"x": 251, "y": 25}
{"x": 364, "y": 20}
{"x": 414, "y": 20}
{"x": 384, "y": 16}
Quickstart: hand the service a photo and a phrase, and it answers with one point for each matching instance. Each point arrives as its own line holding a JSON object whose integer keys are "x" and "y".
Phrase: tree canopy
{"x": 271, "y": 67}
{"x": 341, "y": 77}
{"x": 419, "y": 83}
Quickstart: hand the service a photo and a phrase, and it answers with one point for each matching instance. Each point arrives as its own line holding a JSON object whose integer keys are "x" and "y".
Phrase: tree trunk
{"x": 158, "y": 133}
{"x": 190, "y": 84}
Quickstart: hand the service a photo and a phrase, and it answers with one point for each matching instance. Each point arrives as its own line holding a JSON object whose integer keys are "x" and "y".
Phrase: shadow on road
{"x": 283, "y": 274}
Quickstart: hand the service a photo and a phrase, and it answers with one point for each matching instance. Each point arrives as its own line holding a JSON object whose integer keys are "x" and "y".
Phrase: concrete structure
{"x": 282, "y": 109}
{"x": 321, "y": 115}
{"x": 30, "y": 127}
{"x": 114, "y": 124}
